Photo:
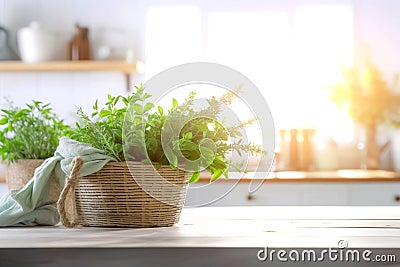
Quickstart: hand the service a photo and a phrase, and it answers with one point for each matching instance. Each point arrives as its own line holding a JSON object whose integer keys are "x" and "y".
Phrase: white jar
{"x": 35, "y": 44}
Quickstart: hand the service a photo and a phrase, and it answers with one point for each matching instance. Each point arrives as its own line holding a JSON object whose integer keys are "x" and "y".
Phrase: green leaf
{"x": 96, "y": 106}
{"x": 116, "y": 99}
{"x": 216, "y": 174}
{"x": 148, "y": 106}
{"x": 195, "y": 177}
{"x": 104, "y": 113}
{"x": 174, "y": 103}
{"x": 36, "y": 103}
{"x": 188, "y": 145}
{"x": 174, "y": 162}
{"x": 160, "y": 110}
{"x": 3, "y": 121}
{"x": 172, "y": 158}
{"x": 208, "y": 155}
{"x": 219, "y": 163}
{"x": 188, "y": 135}
{"x": 22, "y": 111}
{"x": 226, "y": 174}
{"x": 138, "y": 109}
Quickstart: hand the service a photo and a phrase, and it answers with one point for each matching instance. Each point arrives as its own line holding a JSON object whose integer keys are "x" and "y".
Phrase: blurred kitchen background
{"x": 293, "y": 50}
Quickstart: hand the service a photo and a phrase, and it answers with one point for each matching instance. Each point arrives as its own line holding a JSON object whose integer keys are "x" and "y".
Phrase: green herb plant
{"x": 366, "y": 96}
{"x": 152, "y": 135}
{"x": 31, "y": 132}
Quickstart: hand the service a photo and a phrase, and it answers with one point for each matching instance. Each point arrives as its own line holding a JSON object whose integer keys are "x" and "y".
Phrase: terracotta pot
{"x": 2, "y": 174}
{"x": 20, "y": 172}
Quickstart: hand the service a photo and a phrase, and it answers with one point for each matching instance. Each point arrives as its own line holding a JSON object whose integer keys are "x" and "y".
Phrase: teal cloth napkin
{"x": 30, "y": 205}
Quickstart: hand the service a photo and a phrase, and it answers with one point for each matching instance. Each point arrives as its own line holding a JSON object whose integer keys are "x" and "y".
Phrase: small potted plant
{"x": 370, "y": 101}
{"x": 28, "y": 136}
{"x": 146, "y": 144}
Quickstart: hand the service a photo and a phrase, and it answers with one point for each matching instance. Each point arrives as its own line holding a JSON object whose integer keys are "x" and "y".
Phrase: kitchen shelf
{"x": 73, "y": 66}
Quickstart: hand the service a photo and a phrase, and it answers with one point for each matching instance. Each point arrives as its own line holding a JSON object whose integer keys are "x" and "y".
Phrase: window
{"x": 173, "y": 36}
{"x": 290, "y": 55}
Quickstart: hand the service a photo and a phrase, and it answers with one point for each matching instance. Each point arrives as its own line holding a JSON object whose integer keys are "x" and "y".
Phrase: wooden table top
{"x": 214, "y": 227}
{"x": 351, "y": 176}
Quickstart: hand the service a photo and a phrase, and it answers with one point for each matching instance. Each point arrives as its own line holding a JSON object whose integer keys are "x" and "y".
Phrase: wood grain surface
{"x": 215, "y": 227}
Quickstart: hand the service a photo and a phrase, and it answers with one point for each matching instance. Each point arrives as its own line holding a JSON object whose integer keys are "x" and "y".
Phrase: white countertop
{"x": 218, "y": 227}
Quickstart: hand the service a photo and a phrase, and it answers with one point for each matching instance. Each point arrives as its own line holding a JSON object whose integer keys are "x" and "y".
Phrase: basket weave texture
{"x": 111, "y": 197}
{"x": 19, "y": 172}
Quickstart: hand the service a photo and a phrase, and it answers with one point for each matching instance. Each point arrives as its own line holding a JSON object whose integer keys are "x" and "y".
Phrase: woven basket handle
{"x": 77, "y": 164}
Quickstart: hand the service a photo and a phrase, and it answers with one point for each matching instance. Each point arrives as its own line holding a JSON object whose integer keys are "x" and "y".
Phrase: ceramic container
{"x": 36, "y": 44}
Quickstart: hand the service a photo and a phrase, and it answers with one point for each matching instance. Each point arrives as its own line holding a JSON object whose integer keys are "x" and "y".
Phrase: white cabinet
{"x": 296, "y": 193}
{"x": 291, "y": 194}
{"x": 374, "y": 194}
{"x": 324, "y": 195}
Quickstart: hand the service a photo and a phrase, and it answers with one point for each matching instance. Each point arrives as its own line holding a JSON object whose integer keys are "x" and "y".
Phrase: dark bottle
{"x": 79, "y": 46}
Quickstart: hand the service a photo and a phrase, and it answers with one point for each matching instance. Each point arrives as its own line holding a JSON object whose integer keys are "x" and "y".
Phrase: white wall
{"x": 378, "y": 32}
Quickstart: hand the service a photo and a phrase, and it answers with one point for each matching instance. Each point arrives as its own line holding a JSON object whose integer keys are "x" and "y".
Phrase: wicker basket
{"x": 19, "y": 172}
{"x": 112, "y": 198}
